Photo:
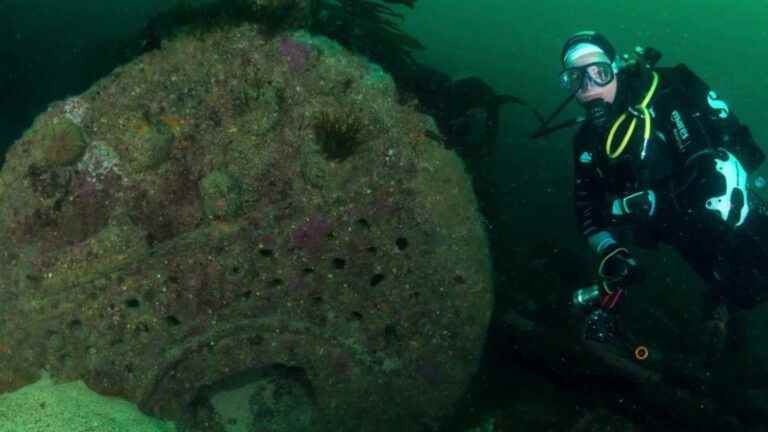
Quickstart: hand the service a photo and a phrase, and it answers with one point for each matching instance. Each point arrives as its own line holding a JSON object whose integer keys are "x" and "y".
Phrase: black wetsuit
{"x": 691, "y": 128}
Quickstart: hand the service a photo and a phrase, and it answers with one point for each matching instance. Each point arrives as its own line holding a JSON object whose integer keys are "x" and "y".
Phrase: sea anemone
{"x": 339, "y": 136}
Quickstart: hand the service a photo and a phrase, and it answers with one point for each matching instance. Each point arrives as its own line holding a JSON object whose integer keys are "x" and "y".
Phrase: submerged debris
{"x": 198, "y": 225}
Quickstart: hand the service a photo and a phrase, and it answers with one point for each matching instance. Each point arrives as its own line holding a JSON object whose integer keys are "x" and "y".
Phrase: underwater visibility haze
{"x": 331, "y": 215}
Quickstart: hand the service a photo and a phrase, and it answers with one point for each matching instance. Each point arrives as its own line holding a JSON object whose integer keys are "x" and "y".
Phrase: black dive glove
{"x": 639, "y": 205}
{"x": 618, "y": 269}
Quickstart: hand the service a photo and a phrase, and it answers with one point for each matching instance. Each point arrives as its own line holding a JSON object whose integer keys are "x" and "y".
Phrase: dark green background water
{"x": 515, "y": 45}
{"x": 50, "y": 49}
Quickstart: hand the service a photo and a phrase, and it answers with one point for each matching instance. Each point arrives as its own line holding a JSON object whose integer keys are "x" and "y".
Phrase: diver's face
{"x": 590, "y": 91}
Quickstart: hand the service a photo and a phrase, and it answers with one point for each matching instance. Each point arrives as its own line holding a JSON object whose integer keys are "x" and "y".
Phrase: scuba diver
{"x": 661, "y": 158}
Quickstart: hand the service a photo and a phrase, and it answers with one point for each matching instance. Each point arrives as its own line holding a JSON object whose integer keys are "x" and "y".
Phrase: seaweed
{"x": 186, "y": 17}
{"x": 368, "y": 27}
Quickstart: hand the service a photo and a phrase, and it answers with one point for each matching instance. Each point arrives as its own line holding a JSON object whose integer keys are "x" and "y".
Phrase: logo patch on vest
{"x": 585, "y": 157}
{"x": 680, "y": 131}
{"x": 716, "y": 104}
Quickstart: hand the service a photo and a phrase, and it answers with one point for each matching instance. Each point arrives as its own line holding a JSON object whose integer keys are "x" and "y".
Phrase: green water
{"x": 52, "y": 49}
{"x": 516, "y": 46}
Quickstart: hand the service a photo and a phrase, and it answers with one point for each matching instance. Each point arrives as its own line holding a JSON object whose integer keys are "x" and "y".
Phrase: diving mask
{"x": 600, "y": 73}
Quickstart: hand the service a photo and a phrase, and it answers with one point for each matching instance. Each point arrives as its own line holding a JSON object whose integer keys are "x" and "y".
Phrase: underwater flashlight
{"x": 587, "y": 296}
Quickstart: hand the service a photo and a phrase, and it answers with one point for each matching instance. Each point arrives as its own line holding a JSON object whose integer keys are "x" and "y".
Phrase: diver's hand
{"x": 618, "y": 268}
{"x": 640, "y": 205}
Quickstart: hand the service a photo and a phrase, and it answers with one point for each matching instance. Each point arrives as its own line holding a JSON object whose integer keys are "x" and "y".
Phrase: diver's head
{"x": 588, "y": 68}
